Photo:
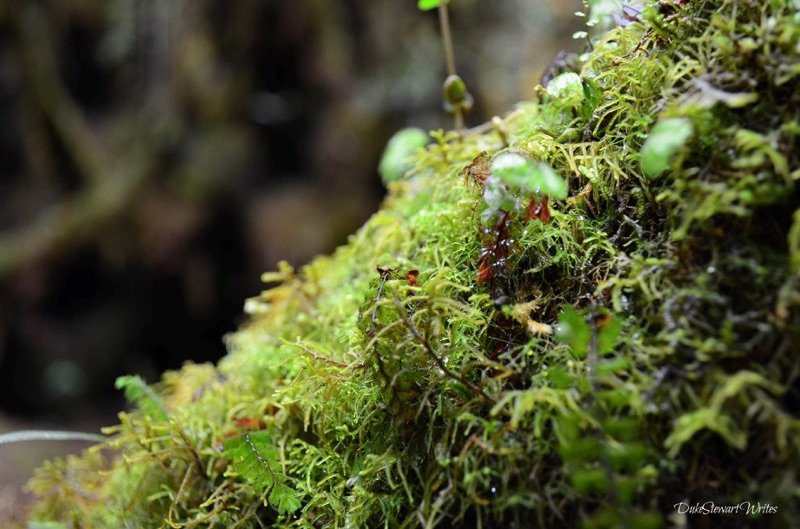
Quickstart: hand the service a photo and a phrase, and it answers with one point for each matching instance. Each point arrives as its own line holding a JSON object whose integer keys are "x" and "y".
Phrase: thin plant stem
{"x": 447, "y": 41}
{"x": 444, "y": 22}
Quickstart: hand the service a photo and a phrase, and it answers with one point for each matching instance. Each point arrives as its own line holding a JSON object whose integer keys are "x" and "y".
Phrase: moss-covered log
{"x": 466, "y": 361}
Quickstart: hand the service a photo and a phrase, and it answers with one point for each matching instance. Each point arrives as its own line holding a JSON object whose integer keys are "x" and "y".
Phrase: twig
{"x": 323, "y": 358}
{"x": 439, "y": 362}
{"x": 24, "y": 436}
{"x": 109, "y": 188}
{"x": 385, "y": 273}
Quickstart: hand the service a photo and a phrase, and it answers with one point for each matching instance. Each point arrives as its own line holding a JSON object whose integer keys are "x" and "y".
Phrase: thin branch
{"x": 323, "y": 358}
{"x": 439, "y": 362}
{"x": 24, "y": 436}
{"x": 109, "y": 188}
{"x": 385, "y": 274}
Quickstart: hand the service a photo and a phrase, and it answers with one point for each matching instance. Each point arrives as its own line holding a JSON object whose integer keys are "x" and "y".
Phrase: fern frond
{"x": 255, "y": 458}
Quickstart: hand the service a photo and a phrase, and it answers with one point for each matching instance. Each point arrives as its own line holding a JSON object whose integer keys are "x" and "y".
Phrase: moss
{"x": 396, "y": 384}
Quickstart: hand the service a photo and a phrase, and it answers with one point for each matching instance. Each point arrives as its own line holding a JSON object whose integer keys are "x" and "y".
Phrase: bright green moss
{"x": 442, "y": 398}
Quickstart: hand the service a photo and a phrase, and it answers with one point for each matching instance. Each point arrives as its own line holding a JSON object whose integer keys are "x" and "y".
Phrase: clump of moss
{"x": 636, "y": 351}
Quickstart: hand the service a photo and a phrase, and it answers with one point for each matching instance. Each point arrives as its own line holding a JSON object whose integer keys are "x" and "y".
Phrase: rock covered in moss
{"x": 448, "y": 368}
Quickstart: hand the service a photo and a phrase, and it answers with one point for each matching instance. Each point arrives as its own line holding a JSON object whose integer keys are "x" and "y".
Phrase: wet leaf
{"x": 567, "y": 86}
{"x": 525, "y": 175}
{"x": 497, "y": 199}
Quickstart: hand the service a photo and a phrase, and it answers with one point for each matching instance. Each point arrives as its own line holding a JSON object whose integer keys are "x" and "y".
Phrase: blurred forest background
{"x": 157, "y": 156}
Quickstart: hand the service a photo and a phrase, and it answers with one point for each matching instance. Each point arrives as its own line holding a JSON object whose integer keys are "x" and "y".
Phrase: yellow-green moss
{"x": 374, "y": 399}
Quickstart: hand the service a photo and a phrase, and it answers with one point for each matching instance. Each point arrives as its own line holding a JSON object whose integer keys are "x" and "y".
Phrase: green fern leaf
{"x": 255, "y": 458}
{"x": 284, "y": 499}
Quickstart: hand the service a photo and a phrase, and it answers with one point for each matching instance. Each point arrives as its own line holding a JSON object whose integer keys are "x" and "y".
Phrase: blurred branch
{"x": 109, "y": 185}
{"x": 51, "y": 95}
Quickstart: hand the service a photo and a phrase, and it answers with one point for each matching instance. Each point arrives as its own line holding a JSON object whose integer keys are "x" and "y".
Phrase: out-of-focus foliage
{"x": 156, "y": 157}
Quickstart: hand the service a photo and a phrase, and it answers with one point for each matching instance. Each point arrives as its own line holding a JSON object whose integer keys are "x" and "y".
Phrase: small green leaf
{"x": 567, "y": 86}
{"x": 513, "y": 170}
{"x": 602, "y": 12}
{"x": 524, "y": 175}
{"x": 550, "y": 182}
{"x": 573, "y": 330}
{"x": 662, "y": 143}
{"x": 395, "y": 162}
{"x": 608, "y": 336}
{"x": 621, "y": 428}
{"x": 46, "y": 525}
{"x": 587, "y": 481}
{"x": 426, "y": 5}
{"x": 283, "y": 499}
{"x": 253, "y": 457}
{"x": 626, "y": 455}
{"x": 609, "y": 367}
{"x": 689, "y": 424}
{"x": 497, "y": 199}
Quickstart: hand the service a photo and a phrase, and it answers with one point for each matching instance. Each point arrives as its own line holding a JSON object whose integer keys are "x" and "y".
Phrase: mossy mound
{"x": 433, "y": 392}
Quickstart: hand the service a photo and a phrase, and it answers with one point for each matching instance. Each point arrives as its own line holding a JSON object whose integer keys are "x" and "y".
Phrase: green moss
{"x": 638, "y": 350}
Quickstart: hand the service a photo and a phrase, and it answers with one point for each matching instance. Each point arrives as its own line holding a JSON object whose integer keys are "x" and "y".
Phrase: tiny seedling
{"x": 536, "y": 179}
{"x": 509, "y": 175}
{"x": 396, "y": 160}
{"x": 457, "y": 99}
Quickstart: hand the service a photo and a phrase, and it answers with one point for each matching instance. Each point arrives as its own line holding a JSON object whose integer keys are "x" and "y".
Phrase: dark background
{"x": 156, "y": 157}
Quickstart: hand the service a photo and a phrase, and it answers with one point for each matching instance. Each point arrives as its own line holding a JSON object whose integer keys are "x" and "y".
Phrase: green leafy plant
{"x": 592, "y": 370}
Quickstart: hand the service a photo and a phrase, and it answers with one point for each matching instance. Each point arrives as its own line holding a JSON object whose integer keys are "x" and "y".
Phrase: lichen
{"x": 638, "y": 350}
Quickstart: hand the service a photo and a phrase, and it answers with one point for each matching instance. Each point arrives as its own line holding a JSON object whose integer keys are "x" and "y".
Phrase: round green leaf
{"x": 566, "y": 86}
{"x": 662, "y": 143}
{"x": 425, "y": 5}
{"x": 395, "y": 160}
{"x": 527, "y": 176}
{"x": 497, "y": 199}
{"x": 550, "y": 182}
{"x": 513, "y": 169}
